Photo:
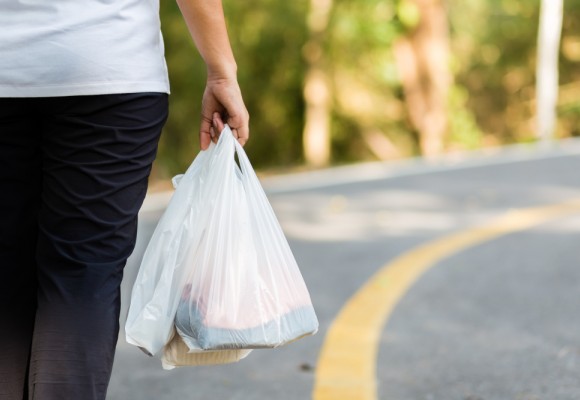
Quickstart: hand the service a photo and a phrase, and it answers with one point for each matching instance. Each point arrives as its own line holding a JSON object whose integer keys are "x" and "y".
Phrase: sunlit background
{"x": 331, "y": 82}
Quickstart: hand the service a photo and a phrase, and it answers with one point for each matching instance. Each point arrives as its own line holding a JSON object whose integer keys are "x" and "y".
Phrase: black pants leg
{"x": 20, "y": 193}
{"x": 96, "y": 155}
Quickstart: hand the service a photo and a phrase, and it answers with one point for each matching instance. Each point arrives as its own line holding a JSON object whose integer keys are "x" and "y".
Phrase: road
{"x": 492, "y": 319}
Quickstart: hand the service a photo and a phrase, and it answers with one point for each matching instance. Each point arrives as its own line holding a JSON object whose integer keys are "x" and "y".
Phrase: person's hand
{"x": 222, "y": 102}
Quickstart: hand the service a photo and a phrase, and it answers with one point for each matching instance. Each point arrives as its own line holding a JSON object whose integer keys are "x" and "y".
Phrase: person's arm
{"x": 206, "y": 23}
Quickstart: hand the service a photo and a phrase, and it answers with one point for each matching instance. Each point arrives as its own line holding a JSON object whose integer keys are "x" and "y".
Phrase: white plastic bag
{"x": 218, "y": 268}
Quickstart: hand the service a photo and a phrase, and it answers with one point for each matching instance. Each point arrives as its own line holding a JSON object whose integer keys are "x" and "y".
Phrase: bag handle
{"x": 245, "y": 164}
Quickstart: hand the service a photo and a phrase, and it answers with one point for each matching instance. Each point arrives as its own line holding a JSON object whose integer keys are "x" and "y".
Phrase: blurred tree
{"x": 369, "y": 120}
{"x": 569, "y": 73}
{"x": 493, "y": 57}
{"x": 268, "y": 36}
{"x": 317, "y": 90}
{"x": 547, "y": 67}
{"x": 423, "y": 59}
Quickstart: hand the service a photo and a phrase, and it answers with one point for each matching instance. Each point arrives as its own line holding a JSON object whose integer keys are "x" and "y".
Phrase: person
{"x": 83, "y": 99}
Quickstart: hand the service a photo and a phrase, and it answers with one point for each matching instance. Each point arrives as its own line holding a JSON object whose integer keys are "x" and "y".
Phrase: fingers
{"x": 238, "y": 117}
{"x": 218, "y": 123}
{"x": 205, "y": 132}
{"x": 240, "y": 126}
{"x": 218, "y": 126}
{"x": 209, "y": 105}
{"x": 216, "y": 129}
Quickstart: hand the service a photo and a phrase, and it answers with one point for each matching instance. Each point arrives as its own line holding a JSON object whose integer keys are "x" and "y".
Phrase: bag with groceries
{"x": 218, "y": 278}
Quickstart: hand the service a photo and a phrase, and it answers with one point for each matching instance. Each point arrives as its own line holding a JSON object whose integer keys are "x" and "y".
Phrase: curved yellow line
{"x": 346, "y": 368}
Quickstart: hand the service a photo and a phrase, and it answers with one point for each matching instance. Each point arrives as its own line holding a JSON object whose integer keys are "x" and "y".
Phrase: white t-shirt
{"x": 80, "y": 47}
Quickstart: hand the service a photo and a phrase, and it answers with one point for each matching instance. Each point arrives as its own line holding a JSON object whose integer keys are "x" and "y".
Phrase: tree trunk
{"x": 423, "y": 64}
{"x": 547, "y": 67}
{"x": 317, "y": 89}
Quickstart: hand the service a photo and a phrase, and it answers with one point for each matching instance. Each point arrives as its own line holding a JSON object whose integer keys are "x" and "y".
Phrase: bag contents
{"x": 177, "y": 354}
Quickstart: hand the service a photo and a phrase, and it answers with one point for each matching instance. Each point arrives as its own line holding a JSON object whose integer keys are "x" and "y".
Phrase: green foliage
{"x": 494, "y": 55}
{"x": 180, "y": 141}
{"x": 464, "y": 132}
{"x": 493, "y": 62}
{"x": 267, "y": 37}
{"x": 408, "y": 13}
{"x": 494, "y": 43}
{"x": 569, "y": 106}
{"x": 362, "y": 67}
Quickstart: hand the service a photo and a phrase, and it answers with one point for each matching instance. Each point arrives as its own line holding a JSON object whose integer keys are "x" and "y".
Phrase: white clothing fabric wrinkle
{"x": 80, "y": 47}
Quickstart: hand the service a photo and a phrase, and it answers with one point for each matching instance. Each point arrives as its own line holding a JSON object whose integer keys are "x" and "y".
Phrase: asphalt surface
{"x": 495, "y": 321}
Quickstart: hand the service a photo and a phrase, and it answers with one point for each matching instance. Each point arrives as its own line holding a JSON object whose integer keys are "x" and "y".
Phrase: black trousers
{"x": 73, "y": 175}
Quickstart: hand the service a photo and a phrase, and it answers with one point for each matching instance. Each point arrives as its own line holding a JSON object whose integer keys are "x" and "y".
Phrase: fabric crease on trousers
{"x": 73, "y": 175}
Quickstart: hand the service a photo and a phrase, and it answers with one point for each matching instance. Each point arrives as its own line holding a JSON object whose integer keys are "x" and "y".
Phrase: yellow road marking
{"x": 346, "y": 368}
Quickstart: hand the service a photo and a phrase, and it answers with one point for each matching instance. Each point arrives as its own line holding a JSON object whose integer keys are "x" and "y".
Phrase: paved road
{"x": 493, "y": 321}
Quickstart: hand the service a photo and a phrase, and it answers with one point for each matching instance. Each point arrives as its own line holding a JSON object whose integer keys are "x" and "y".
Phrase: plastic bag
{"x": 218, "y": 268}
